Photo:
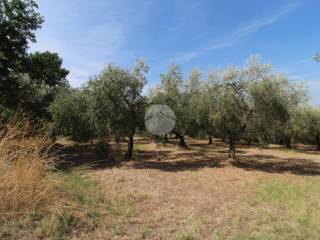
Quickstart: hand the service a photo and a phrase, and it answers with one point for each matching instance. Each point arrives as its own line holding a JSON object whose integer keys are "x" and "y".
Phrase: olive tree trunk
{"x": 182, "y": 143}
{"x": 129, "y": 153}
{"x": 232, "y": 146}
{"x": 288, "y": 142}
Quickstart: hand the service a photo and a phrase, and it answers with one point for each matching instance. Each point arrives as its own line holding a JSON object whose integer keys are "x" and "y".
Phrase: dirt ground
{"x": 196, "y": 193}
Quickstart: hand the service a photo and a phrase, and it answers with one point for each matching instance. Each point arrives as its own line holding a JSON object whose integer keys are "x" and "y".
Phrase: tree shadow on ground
{"x": 272, "y": 164}
{"x": 313, "y": 150}
{"x": 178, "y": 159}
{"x": 201, "y": 155}
{"x": 177, "y": 166}
{"x": 145, "y": 155}
{"x": 89, "y": 156}
{"x": 174, "y": 159}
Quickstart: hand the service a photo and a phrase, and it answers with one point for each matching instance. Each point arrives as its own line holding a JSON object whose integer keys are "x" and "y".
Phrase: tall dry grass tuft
{"x": 26, "y": 185}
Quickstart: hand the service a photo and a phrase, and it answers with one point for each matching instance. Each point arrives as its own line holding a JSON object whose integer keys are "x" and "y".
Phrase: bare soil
{"x": 194, "y": 193}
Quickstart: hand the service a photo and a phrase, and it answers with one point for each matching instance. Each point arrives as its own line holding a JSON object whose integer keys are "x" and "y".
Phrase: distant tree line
{"x": 251, "y": 103}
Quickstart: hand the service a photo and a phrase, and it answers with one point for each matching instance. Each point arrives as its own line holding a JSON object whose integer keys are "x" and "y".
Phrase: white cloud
{"x": 78, "y": 76}
{"x": 46, "y": 43}
{"x": 242, "y": 32}
{"x": 91, "y": 33}
{"x": 106, "y": 39}
{"x": 183, "y": 57}
{"x": 255, "y": 25}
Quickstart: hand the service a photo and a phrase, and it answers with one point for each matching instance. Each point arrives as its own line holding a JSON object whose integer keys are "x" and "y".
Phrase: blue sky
{"x": 194, "y": 33}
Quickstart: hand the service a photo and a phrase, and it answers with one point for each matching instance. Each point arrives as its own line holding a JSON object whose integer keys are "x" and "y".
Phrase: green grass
{"x": 283, "y": 209}
{"x": 138, "y": 150}
{"x": 191, "y": 229}
{"x": 82, "y": 207}
{"x": 91, "y": 208}
{"x": 95, "y": 210}
{"x": 85, "y": 205}
{"x": 86, "y": 208}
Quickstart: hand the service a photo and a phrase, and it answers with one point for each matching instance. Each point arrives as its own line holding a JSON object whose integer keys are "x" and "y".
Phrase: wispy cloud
{"x": 93, "y": 32}
{"x": 109, "y": 37}
{"x": 77, "y": 76}
{"x": 183, "y": 57}
{"x": 185, "y": 10}
{"x": 255, "y": 25}
{"x": 240, "y": 33}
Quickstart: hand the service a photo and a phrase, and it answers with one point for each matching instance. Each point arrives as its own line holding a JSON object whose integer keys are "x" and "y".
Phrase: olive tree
{"x": 192, "y": 93}
{"x": 308, "y": 122}
{"x": 172, "y": 92}
{"x": 273, "y": 103}
{"x": 232, "y": 108}
{"x": 290, "y": 98}
{"x": 71, "y": 115}
{"x": 118, "y": 103}
{"x": 207, "y": 104}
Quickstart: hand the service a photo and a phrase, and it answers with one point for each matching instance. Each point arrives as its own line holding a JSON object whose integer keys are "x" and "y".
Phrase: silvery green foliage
{"x": 71, "y": 115}
{"x": 193, "y": 95}
{"x": 233, "y": 106}
{"x": 252, "y": 102}
{"x": 308, "y": 125}
{"x": 209, "y": 103}
{"x": 174, "y": 92}
{"x": 273, "y": 104}
{"x": 117, "y": 101}
{"x": 317, "y": 57}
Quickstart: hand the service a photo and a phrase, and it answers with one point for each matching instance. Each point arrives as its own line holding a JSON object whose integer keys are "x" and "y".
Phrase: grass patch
{"x": 28, "y": 190}
{"x": 85, "y": 210}
{"x": 283, "y": 209}
{"x": 191, "y": 230}
{"x": 82, "y": 207}
{"x": 39, "y": 202}
{"x": 90, "y": 209}
{"x": 86, "y": 201}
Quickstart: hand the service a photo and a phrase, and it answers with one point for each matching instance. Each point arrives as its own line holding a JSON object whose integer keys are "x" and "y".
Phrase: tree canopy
{"x": 28, "y": 82}
{"x": 118, "y": 102}
{"x": 19, "y": 20}
{"x": 252, "y": 103}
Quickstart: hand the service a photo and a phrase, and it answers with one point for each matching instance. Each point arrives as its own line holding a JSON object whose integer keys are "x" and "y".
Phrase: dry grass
{"x": 36, "y": 200}
{"x": 25, "y": 183}
{"x": 166, "y": 193}
{"x": 199, "y": 193}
